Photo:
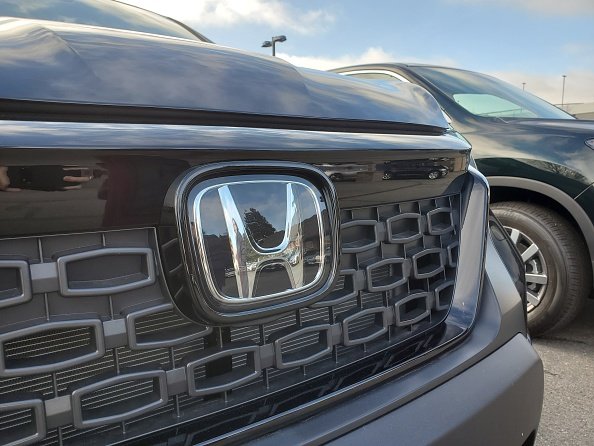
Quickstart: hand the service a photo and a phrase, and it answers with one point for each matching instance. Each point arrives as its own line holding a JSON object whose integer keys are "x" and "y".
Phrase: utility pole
{"x": 523, "y": 86}
{"x": 563, "y": 91}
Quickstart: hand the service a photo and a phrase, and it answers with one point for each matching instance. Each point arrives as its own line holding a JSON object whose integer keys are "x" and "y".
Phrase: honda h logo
{"x": 249, "y": 257}
{"x": 256, "y": 243}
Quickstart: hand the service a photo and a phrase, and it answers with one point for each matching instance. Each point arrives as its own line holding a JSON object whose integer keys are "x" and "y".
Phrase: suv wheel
{"x": 557, "y": 275}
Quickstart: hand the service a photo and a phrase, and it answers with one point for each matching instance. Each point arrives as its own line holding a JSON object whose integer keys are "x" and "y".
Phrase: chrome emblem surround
{"x": 248, "y": 256}
{"x": 239, "y": 267}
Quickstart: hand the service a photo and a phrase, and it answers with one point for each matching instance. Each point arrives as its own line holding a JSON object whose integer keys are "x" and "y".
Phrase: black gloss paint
{"x": 66, "y": 63}
{"x": 130, "y": 167}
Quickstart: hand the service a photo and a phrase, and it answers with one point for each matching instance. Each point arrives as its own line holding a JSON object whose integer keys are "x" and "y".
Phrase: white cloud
{"x": 579, "y": 85}
{"x": 555, "y": 7}
{"x": 226, "y": 13}
{"x": 370, "y": 55}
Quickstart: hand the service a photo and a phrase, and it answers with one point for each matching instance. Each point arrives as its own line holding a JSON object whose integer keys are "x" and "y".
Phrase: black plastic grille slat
{"x": 51, "y": 342}
{"x": 22, "y": 421}
{"x": 96, "y": 404}
{"x": 142, "y": 331}
{"x": 161, "y": 326}
{"x": 14, "y": 419}
{"x": 48, "y": 347}
{"x": 113, "y": 394}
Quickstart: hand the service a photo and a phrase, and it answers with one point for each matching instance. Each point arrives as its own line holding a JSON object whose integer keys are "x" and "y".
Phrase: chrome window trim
{"x": 386, "y": 72}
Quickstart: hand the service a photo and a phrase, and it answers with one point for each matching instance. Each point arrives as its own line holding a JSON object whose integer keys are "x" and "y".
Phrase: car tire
{"x": 551, "y": 248}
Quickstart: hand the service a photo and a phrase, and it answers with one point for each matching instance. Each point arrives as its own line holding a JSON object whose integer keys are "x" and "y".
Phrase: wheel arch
{"x": 524, "y": 189}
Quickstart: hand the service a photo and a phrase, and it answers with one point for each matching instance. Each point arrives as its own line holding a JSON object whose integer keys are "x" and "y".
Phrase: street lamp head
{"x": 272, "y": 43}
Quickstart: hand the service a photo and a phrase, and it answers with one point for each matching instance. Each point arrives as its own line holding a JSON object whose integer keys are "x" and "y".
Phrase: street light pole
{"x": 272, "y": 43}
{"x": 523, "y": 86}
{"x": 563, "y": 91}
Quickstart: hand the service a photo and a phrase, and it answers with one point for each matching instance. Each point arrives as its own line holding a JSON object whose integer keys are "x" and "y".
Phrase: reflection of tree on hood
{"x": 260, "y": 228}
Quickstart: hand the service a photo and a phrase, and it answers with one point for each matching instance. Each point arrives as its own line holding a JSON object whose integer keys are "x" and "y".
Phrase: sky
{"x": 520, "y": 41}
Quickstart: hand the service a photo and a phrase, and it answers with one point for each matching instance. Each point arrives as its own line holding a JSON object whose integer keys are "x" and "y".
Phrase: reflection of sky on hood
{"x": 104, "y": 13}
{"x": 63, "y": 62}
{"x": 204, "y": 138}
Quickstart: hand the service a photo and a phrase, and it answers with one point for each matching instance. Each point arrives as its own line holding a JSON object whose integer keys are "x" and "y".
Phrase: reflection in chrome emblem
{"x": 249, "y": 257}
{"x": 261, "y": 238}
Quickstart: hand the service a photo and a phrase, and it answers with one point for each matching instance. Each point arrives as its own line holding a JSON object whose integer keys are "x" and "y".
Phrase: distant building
{"x": 580, "y": 111}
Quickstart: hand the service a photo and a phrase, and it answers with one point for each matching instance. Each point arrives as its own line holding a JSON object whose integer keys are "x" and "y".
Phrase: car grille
{"x": 93, "y": 351}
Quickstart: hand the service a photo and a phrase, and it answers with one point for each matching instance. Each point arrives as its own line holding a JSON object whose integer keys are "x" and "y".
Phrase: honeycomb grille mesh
{"x": 87, "y": 368}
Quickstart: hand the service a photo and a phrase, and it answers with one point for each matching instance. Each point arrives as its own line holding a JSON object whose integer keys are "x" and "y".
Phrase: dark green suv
{"x": 540, "y": 163}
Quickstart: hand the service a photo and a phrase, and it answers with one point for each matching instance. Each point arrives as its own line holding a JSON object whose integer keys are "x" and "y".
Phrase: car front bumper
{"x": 496, "y": 402}
{"x": 487, "y": 390}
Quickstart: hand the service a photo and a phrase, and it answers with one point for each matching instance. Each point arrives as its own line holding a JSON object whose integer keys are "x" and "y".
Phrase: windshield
{"x": 487, "y": 96}
{"x": 104, "y": 13}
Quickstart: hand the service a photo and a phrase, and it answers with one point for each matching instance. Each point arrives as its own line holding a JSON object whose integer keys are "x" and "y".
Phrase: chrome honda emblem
{"x": 257, "y": 239}
{"x": 260, "y": 238}
{"x": 249, "y": 257}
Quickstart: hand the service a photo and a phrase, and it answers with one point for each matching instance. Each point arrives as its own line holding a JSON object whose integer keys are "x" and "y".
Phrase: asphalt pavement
{"x": 568, "y": 358}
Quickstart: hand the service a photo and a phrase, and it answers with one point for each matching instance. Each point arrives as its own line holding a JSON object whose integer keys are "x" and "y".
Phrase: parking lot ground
{"x": 568, "y": 357}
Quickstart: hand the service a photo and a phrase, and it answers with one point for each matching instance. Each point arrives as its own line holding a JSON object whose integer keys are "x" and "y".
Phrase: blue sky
{"x": 532, "y": 41}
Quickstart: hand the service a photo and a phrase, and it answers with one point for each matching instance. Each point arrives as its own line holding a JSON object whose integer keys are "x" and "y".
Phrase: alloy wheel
{"x": 537, "y": 279}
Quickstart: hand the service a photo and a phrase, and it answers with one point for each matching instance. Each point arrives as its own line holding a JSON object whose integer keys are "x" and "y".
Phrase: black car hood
{"x": 66, "y": 63}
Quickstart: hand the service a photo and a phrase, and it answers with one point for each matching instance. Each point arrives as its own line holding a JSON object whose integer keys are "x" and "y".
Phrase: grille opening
{"x": 440, "y": 221}
{"x": 442, "y": 202}
{"x": 310, "y": 315}
{"x": 363, "y": 327}
{"x": 107, "y": 271}
{"x": 243, "y": 369}
{"x": 121, "y": 398}
{"x": 386, "y": 276}
{"x": 426, "y": 206}
{"x": 343, "y": 290}
{"x": 413, "y": 308}
{"x": 363, "y": 323}
{"x": 357, "y": 235}
{"x": 140, "y": 358}
{"x": 443, "y": 295}
{"x": 17, "y": 425}
{"x": 405, "y": 227}
{"x": 453, "y": 253}
{"x": 70, "y": 377}
{"x": 250, "y": 333}
{"x": 428, "y": 264}
{"x": 409, "y": 207}
{"x": 300, "y": 345}
{"x": 10, "y": 283}
{"x": 364, "y": 213}
{"x": 50, "y": 347}
{"x": 345, "y": 307}
{"x": 163, "y": 327}
{"x": 40, "y": 384}
{"x": 370, "y": 300}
